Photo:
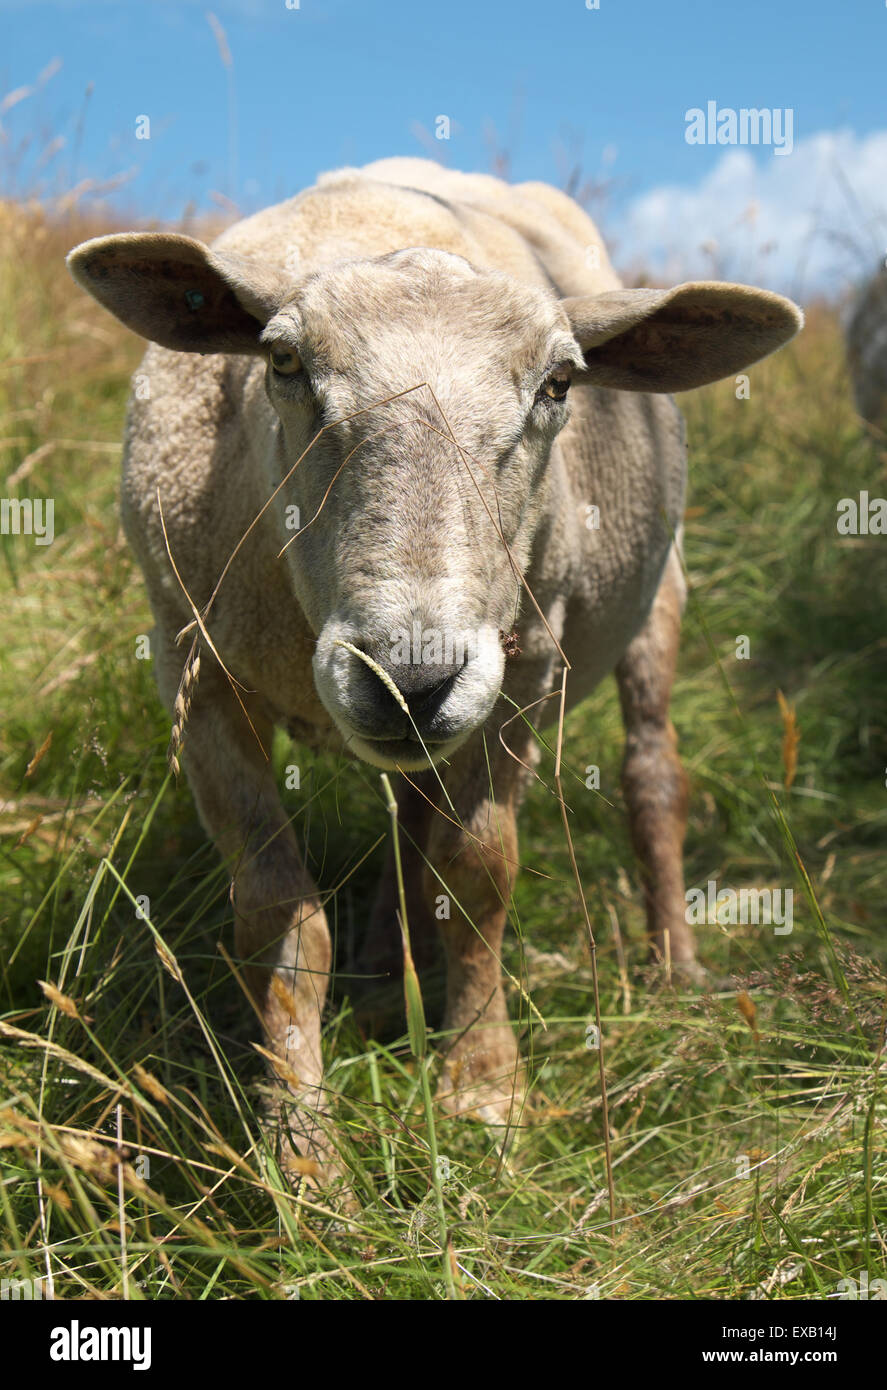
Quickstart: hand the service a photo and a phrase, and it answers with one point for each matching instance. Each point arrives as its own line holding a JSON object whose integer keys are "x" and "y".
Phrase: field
{"x": 747, "y": 1124}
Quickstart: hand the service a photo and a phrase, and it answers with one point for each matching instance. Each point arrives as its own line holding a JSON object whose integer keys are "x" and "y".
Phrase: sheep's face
{"x": 415, "y": 402}
{"x": 423, "y": 398}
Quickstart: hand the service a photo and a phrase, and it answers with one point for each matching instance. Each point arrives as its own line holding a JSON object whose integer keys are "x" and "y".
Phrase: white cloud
{"x": 812, "y": 221}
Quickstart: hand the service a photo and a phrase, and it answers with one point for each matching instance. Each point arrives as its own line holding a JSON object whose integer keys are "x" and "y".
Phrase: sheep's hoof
{"x": 302, "y": 1140}
{"x": 483, "y": 1078}
{"x": 689, "y": 974}
{"x": 321, "y": 1178}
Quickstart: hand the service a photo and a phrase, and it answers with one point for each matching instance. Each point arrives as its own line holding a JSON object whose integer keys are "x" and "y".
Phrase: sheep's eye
{"x": 556, "y": 386}
{"x": 285, "y": 362}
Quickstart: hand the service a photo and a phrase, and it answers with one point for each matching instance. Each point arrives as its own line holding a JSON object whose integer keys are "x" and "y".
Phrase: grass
{"x": 746, "y": 1126}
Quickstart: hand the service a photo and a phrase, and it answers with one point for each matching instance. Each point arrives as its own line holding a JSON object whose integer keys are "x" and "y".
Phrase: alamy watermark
{"x": 30, "y": 1290}
{"x": 862, "y": 1289}
{"x": 864, "y": 517}
{"x": 77, "y": 1342}
{"x": 725, "y": 125}
{"x": 432, "y": 646}
{"x": 723, "y": 907}
{"x": 26, "y": 516}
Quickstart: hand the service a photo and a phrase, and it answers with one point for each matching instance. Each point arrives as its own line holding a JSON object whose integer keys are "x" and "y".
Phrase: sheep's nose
{"x": 424, "y": 685}
{"x": 427, "y": 687}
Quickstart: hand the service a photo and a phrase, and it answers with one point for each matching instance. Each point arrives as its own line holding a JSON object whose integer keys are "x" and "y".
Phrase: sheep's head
{"x": 414, "y": 404}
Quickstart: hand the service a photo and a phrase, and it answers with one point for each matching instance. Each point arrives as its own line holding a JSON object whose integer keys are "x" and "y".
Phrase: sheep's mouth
{"x": 408, "y": 754}
{"x": 411, "y": 746}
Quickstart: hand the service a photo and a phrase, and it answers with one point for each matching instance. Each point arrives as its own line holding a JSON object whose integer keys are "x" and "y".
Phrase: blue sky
{"x": 554, "y": 83}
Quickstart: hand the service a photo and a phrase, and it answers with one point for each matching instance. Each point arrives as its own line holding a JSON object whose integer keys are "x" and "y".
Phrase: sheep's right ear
{"x": 674, "y": 340}
{"x": 177, "y": 292}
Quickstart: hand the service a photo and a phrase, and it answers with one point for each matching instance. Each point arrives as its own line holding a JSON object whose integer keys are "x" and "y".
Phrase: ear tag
{"x": 194, "y": 300}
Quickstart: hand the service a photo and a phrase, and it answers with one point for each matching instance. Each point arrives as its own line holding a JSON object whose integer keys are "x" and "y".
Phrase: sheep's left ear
{"x": 179, "y": 293}
{"x": 673, "y": 340}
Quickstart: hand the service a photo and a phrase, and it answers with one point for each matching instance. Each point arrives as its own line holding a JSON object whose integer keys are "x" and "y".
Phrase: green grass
{"x": 698, "y": 1097}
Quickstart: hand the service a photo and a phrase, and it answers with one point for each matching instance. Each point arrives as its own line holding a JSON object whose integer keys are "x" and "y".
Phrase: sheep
{"x": 388, "y": 422}
{"x": 866, "y": 339}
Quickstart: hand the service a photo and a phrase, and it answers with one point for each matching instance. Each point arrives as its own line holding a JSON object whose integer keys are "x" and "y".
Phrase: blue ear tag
{"x": 194, "y": 300}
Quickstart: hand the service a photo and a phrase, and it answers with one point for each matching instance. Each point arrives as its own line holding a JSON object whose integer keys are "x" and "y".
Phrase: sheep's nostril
{"x": 436, "y": 686}
{"x": 424, "y": 686}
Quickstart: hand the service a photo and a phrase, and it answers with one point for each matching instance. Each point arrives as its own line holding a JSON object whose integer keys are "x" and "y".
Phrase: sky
{"x": 248, "y": 100}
